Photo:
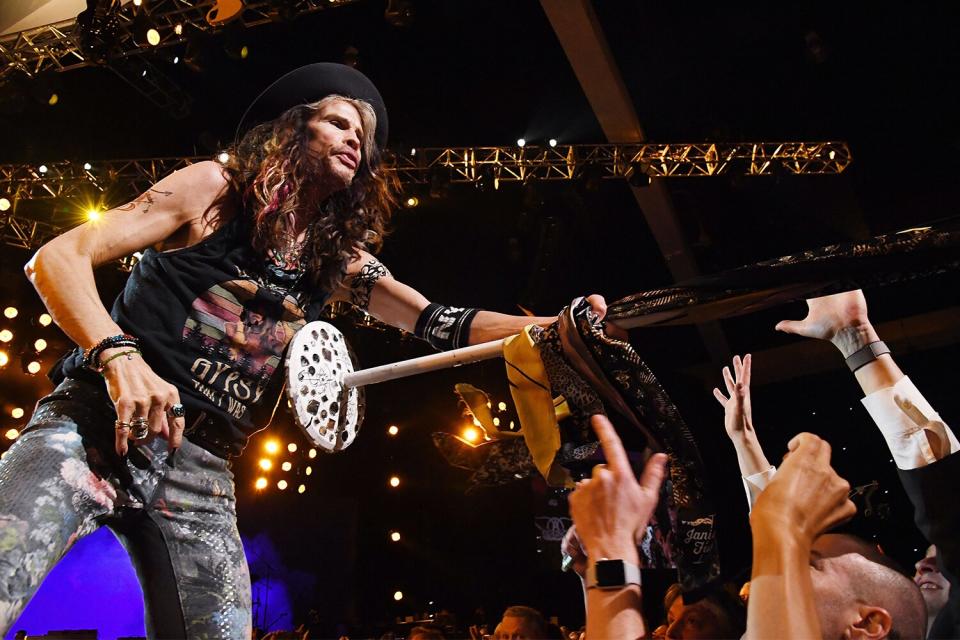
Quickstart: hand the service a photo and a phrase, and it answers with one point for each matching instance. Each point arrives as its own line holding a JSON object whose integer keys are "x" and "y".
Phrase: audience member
{"x": 521, "y": 623}
{"x": 922, "y": 445}
{"x": 717, "y": 616}
{"x": 425, "y": 633}
{"x": 609, "y": 510}
{"x": 933, "y": 586}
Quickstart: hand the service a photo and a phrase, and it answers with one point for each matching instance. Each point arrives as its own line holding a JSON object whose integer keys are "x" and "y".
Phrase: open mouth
{"x": 348, "y": 160}
{"x": 930, "y": 585}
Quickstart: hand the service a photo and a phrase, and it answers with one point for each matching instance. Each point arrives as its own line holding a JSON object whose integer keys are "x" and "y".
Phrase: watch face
{"x": 610, "y": 573}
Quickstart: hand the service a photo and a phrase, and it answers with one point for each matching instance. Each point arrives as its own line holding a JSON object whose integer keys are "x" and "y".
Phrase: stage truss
{"x": 78, "y": 186}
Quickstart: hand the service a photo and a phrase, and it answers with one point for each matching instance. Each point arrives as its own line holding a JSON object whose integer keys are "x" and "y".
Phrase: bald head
{"x": 858, "y": 592}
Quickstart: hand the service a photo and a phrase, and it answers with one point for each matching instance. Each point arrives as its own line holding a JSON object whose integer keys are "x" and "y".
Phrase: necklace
{"x": 285, "y": 265}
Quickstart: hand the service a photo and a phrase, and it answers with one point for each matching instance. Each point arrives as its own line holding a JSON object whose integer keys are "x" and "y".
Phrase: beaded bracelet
{"x": 91, "y": 358}
{"x": 103, "y": 365}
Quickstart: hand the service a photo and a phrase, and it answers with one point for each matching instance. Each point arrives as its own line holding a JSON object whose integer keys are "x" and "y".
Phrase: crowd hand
{"x": 136, "y": 391}
{"x": 806, "y": 497}
{"x": 611, "y": 508}
{"x": 840, "y": 318}
{"x": 599, "y": 306}
{"x": 478, "y": 632}
{"x": 737, "y": 413}
{"x": 571, "y": 547}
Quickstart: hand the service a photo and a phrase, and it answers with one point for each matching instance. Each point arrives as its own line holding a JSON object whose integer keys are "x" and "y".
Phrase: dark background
{"x": 485, "y": 73}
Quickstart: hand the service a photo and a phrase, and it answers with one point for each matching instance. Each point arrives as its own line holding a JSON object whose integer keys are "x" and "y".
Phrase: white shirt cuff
{"x": 913, "y": 430}
{"x": 755, "y": 483}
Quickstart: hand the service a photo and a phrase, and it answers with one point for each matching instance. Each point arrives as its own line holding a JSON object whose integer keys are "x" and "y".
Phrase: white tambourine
{"x": 327, "y": 410}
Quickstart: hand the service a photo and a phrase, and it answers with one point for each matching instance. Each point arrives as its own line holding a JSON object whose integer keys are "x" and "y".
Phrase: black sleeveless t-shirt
{"x": 214, "y": 320}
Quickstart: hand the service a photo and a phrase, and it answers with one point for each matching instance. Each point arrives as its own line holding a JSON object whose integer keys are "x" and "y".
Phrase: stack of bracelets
{"x": 91, "y": 358}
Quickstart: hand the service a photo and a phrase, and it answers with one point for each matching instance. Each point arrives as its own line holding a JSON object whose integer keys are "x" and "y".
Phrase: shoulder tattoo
{"x": 361, "y": 285}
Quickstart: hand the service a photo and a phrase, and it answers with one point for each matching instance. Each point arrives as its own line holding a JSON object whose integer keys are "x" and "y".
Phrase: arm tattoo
{"x": 145, "y": 201}
{"x": 361, "y": 286}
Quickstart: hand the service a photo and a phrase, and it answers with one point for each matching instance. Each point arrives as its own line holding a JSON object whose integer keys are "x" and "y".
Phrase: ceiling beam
{"x": 583, "y": 40}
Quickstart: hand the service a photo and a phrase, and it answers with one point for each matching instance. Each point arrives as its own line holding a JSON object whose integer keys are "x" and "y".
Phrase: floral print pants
{"x": 61, "y": 480}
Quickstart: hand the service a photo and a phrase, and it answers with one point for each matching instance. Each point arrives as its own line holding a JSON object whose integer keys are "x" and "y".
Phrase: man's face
{"x": 701, "y": 620}
{"x": 514, "y": 628}
{"x": 933, "y": 586}
{"x": 336, "y": 135}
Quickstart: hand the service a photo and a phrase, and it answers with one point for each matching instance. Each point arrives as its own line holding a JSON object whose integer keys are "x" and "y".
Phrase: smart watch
{"x": 612, "y": 574}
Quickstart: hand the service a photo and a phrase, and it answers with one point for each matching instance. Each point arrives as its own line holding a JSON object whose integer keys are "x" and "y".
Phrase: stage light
{"x": 153, "y": 37}
{"x": 87, "y": 166}
{"x": 308, "y": 470}
{"x": 144, "y": 30}
{"x": 4, "y": 359}
{"x": 11, "y": 312}
{"x": 260, "y": 484}
{"x": 12, "y": 434}
{"x": 137, "y": 3}
{"x": 178, "y": 29}
{"x": 302, "y": 488}
{"x": 17, "y": 413}
{"x": 553, "y": 142}
{"x": 282, "y": 485}
{"x": 393, "y": 430}
{"x": 398, "y": 595}
{"x": 471, "y": 434}
{"x": 6, "y": 335}
{"x": 502, "y": 406}
{"x": 413, "y": 152}
{"x": 33, "y": 367}
{"x": 42, "y": 168}
{"x": 40, "y": 344}
{"x": 4, "y": 204}
{"x": 271, "y": 446}
{"x": 266, "y": 464}
{"x": 53, "y": 99}
{"x": 244, "y": 52}
{"x": 496, "y": 422}
{"x": 394, "y": 481}
{"x": 93, "y": 215}
{"x": 521, "y": 142}
{"x": 224, "y": 157}
{"x": 45, "y": 319}
{"x": 395, "y": 536}
{"x": 176, "y": 59}
{"x": 411, "y": 202}
{"x": 312, "y": 453}
{"x": 292, "y": 448}
{"x": 286, "y": 466}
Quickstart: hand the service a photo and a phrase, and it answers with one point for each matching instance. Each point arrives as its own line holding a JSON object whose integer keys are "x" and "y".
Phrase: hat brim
{"x": 311, "y": 83}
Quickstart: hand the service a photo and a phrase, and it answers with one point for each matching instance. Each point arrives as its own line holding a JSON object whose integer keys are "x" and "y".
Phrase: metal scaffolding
{"x": 57, "y": 46}
{"x": 127, "y": 178}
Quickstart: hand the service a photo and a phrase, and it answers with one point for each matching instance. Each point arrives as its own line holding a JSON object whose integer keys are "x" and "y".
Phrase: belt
{"x": 210, "y": 432}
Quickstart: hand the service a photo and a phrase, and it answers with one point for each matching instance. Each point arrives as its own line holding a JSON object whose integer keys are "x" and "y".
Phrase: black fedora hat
{"x": 310, "y": 83}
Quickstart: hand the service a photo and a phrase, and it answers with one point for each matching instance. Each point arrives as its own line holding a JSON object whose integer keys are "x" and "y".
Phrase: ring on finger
{"x": 177, "y": 411}
{"x": 141, "y": 428}
{"x": 119, "y": 425}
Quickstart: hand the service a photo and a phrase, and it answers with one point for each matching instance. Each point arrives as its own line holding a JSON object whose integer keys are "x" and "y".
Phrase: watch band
{"x": 866, "y": 354}
{"x": 612, "y": 574}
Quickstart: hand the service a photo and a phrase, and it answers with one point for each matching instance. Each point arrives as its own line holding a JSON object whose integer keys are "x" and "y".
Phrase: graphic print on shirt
{"x": 242, "y": 329}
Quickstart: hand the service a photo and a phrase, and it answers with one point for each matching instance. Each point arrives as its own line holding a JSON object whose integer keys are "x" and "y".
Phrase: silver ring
{"x": 177, "y": 411}
{"x": 119, "y": 425}
{"x": 141, "y": 428}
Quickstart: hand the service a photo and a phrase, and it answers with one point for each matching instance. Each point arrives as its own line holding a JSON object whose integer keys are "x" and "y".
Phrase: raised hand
{"x": 612, "y": 507}
{"x": 571, "y": 547}
{"x": 738, "y": 417}
{"x": 737, "y": 413}
{"x": 841, "y": 319}
{"x": 806, "y": 497}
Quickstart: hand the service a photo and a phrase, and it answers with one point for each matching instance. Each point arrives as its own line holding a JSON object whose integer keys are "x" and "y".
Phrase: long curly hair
{"x": 274, "y": 174}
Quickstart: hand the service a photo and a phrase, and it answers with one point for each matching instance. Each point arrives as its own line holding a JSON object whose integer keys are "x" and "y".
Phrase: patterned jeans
{"x": 61, "y": 480}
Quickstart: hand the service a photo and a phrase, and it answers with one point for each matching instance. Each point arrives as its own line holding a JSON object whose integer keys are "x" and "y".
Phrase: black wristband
{"x": 866, "y": 354}
{"x": 445, "y": 327}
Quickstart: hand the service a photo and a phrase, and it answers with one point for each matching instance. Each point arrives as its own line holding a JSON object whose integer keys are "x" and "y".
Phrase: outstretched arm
{"x": 370, "y": 286}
